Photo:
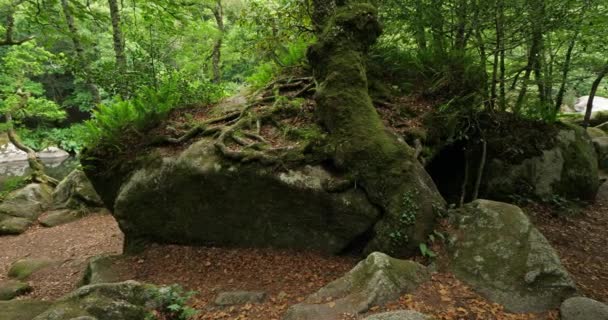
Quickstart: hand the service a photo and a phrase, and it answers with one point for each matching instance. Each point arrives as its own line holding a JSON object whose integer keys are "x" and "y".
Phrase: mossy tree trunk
{"x": 380, "y": 163}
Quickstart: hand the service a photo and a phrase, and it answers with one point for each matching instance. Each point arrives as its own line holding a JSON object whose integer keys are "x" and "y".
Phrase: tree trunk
{"x": 38, "y": 173}
{"x": 382, "y": 165}
{"x": 119, "y": 47}
{"x": 218, "y": 13}
{"x": 594, "y": 87}
{"x": 419, "y": 24}
{"x": 81, "y": 60}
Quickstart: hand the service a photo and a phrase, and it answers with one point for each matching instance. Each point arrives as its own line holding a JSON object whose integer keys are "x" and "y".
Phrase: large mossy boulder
{"x": 375, "y": 281}
{"x": 76, "y": 192}
{"x": 567, "y": 168}
{"x": 28, "y": 202}
{"x": 497, "y": 251}
{"x": 22, "y": 309}
{"x": 22, "y": 207}
{"x": 128, "y": 300}
{"x": 199, "y": 197}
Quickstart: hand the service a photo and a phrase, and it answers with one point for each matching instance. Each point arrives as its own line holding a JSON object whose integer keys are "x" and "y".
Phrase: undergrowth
{"x": 293, "y": 56}
{"x": 111, "y": 122}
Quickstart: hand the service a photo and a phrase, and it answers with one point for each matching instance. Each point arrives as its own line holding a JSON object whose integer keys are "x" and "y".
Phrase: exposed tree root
{"x": 244, "y": 127}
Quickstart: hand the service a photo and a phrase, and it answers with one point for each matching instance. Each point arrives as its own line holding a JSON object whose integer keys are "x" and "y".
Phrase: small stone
{"x": 239, "y": 298}
{"x": 23, "y": 269}
{"x": 59, "y": 217}
{"x": 580, "y": 308}
{"x": 11, "y": 289}
{"x": 99, "y": 270}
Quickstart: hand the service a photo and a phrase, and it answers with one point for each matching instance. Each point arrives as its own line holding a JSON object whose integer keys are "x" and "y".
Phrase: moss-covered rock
{"x": 58, "y": 217}
{"x": 100, "y": 270}
{"x": 594, "y": 132}
{"x": 22, "y": 309}
{"x": 28, "y": 202}
{"x": 503, "y": 256}
{"x": 119, "y": 301}
{"x": 10, "y": 289}
{"x": 601, "y": 148}
{"x": 569, "y": 169}
{"x": 13, "y": 225}
{"x": 24, "y": 268}
{"x": 199, "y": 198}
{"x": 76, "y": 192}
{"x": 375, "y": 281}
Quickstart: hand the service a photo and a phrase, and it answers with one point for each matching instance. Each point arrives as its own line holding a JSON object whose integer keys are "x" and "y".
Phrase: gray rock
{"x": 596, "y": 132}
{"x": 373, "y": 282}
{"x": 601, "y": 147}
{"x": 580, "y": 308}
{"x": 28, "y": 202}
{"x": 13, "y": 225}
{"x": 400, "y": 315}
{"x": 22, "y": 309}
{"x": 10, "y": 153}
{"x": 503, "y": 256}
{"x": 10, "y": 289}
{"x": 59, "y": 217}
{"x": 53, "y": 153}
{"x": 99, "y": 270}
{"x": 239, "y": 297}
{"x": 569, "y": 170}
{"x": 24, "y": 268}
{"x": 117, "y": 301}
{"x": 76, "y": 192}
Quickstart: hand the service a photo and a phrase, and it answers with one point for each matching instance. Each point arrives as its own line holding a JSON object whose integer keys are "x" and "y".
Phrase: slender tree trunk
{"x": 218, "y": 13}
{"x": 461, "y": 25}
{"x": 9, "y": 25}
{"x": 419, "y": 24}
{"x": 385, "y": 168}
{"x": 481, "y": 47}
{"x": 81, "y": 60}
{"x": 594, "y": 87}
{"x": 119, "y": 46}
{"x": 437, "y": 24}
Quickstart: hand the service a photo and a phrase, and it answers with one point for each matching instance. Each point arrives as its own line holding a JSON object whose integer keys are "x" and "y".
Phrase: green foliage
{"x": 426, "y": 251}
{"x": 111, "y": 122}
{"x": 172, "y": 304}
{"x": 11, "y": 184}
{"x": 293, "y": 56}
{"x": 69, "y": 139}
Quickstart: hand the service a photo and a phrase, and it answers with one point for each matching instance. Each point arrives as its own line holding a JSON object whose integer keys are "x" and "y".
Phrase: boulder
{"x": 601, "y": 147}
{"x": 22, "y": 309}
{"x": 28, "y": 202}
{"x": 373, "y": 282}
{"x": 24, "y": 268}
{"x": 59, "y": 217}
{"x": 12, "y": 225}
{"x": 100, "y": 270}
{"x": 400, "y": 315}
{"x": 53, "y": 153}
{"x": 497, "y": 251}
{"x": 580, "y": 308}
{"x": 603, "y": 127}
{"x": 76, "y": 192}
{"x": 569, "y": 169}
{"x": 10, "y": 289}
{"x": 128, "y": 300}
{"x": 599, "y": 104}
{"x": 200, "y": 198}
{"x": 594, "y": 132}
{"x": 239, "y": 297}
{"x": 10, "y": 153}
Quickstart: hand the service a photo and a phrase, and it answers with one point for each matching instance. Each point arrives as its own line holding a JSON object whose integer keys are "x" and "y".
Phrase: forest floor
{"x": 288, "y": 277}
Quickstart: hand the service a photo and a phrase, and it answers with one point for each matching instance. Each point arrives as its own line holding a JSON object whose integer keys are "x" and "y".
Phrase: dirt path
{"x": 71, "y": 244}
{"x": 582, "y": 243}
